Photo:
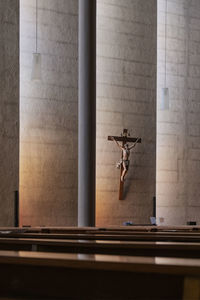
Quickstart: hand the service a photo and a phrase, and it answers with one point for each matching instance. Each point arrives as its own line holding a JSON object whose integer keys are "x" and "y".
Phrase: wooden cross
{"x": 124, "y": 138}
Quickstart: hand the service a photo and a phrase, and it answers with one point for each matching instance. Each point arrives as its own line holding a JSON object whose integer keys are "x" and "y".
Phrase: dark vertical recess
{"x": 16, "y": 209}
{"x": 154, "y": 206}
{"x": 87, "y": 113}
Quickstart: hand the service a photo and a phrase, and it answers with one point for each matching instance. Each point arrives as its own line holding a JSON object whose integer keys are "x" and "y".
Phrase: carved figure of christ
{"x": 125, "y": 156}
{"x": 124, "y": 164}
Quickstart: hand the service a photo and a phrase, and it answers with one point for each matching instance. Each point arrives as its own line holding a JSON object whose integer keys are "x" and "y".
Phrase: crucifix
{"x": 125, "y": 152}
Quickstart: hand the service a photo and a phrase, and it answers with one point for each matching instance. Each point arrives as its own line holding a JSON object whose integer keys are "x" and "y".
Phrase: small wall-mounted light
{"x": 164, "y": 103}
{"x": 37, "y": 62}
{"x": 36, "y": 67}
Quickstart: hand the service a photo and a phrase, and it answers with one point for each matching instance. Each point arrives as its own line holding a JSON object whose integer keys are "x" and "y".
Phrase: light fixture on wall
{"x": 165, "y": 90}
{"x": 36, "y": 64}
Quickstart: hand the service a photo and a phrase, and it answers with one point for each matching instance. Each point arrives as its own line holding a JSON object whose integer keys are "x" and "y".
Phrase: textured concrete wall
{"x": 9, "y": 113}
{"x": 178, "y": 140}
{"x": 126, "y": 94}
{"x": 48, "y": 131}
{"x": 126, "y": 98}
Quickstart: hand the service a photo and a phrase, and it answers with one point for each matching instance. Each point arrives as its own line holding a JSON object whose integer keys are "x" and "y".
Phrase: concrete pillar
{"x": 9, "y": 109}
{"x": 87, "y": 113}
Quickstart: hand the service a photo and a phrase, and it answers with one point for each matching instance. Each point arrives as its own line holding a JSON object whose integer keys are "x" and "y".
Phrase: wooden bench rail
{"x": 114, "y": 237}
{"x": 80, "y": 276}
{"x": 161, "y": 265}
{"x": 134, "y": 228}
{"x": 103, "y": 247}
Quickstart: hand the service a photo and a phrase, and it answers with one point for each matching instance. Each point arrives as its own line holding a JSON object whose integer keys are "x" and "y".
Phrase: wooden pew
{"x": 112, "y": 229}
{"x": 107, "y": 230}
{"x": 170, "y": 237}
{"x": 122, "y": 229}
{"x": 112, "y": 245}
{"x": 163, "y": 249}
{"x": 124, "y": 232}
{"x": 32, "y": 275}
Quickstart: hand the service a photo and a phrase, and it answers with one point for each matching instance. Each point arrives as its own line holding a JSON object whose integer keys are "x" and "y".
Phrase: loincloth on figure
{"x": 126, "y": 163}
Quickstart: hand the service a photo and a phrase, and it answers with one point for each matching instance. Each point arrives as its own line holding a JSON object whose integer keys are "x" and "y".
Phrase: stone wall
{"x": 48, "y": 114}
{"x": 178, "y": 139}
{"x": 126, "y": 98}
{"x": 9, "y": 113}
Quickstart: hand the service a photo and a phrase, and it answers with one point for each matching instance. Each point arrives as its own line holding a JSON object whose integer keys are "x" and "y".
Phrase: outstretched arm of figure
{"x": 134, "y": 144}
{"x": 116, "y": 142}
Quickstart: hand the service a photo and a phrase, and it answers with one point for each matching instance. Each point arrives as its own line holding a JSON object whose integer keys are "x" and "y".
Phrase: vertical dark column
{"x": 154, "y": 206}
{"x": 16, "y": 209}
{"x": 87, "y": 113}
